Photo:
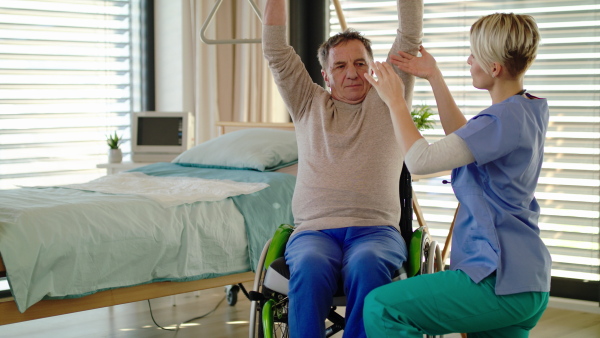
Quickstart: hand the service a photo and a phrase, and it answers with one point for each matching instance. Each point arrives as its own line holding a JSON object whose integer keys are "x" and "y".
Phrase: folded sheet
{"x": 169, "y": 191}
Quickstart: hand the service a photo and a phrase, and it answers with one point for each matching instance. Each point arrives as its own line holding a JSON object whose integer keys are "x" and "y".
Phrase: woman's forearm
{"x": 450, "y": 115}
{"x": 404, "y": 128}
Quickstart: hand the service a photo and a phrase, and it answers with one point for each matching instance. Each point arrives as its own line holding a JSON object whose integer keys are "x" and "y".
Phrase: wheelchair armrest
{"x": 278, "y": 242}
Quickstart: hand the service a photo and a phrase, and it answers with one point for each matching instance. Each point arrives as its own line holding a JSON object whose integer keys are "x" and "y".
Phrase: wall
{"x": 227, "y": 85}
{"x": 173, "y": 61}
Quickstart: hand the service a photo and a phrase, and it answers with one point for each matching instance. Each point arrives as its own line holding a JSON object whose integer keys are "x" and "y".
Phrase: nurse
{"x": 499, "y": 278}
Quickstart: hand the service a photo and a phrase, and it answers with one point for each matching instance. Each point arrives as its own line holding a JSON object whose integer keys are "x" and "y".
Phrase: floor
{"x": 135, "y": 321}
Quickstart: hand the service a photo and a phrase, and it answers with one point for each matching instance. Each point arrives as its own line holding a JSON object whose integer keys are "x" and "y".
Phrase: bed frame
{"x": 47, "y": 308}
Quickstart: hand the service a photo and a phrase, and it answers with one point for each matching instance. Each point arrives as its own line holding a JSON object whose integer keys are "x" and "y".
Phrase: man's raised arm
{"x": 409, "y": 38}
{"x": 275, "y": 13}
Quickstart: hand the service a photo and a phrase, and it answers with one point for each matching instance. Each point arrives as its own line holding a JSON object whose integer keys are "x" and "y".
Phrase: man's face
{"x": 347, "y": 64}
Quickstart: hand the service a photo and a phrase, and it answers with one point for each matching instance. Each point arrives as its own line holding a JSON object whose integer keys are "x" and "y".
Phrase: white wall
{"x": 173, "y": 56}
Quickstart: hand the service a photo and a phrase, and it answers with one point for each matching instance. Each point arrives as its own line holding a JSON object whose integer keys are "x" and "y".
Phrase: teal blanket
{"x": 62, "y": 243}
{"x": 263, "y": 211}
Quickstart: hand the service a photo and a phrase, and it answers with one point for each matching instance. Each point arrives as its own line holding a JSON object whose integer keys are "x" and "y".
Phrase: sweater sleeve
{"x": 448, "y": 153}
{"x": 409, "y": 38}
{"x": 293, "y": 80}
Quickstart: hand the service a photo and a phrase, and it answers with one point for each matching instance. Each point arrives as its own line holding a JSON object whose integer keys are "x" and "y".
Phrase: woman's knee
{"x": 372, "y": 308}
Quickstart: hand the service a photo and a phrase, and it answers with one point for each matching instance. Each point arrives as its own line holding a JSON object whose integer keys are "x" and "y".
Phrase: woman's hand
{"x": 388, "y": 84}
{"x": 391, "y": 90}
{"x": 424, "y": 67}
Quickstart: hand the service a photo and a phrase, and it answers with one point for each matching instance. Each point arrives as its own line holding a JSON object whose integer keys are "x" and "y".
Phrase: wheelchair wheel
{"x": 433, "y": 263}
{"x": 256, "y": 300}
{"x": 261, "y": 297}
{"x": 274, "y": 318}
{"x": 268, "y": 310}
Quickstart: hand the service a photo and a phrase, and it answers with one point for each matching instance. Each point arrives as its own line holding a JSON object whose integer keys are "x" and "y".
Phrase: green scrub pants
{"x": 449, "y": 302}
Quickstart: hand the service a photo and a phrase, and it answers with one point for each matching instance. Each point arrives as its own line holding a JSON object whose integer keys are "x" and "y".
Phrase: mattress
{"x": 61, "y": 242}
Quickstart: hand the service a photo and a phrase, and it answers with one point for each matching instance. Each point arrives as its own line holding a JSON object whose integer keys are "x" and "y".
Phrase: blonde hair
{"x": 509, "y": 39}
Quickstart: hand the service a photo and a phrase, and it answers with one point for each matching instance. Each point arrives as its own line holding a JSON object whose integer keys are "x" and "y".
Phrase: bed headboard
{"x": 228, "y": 127}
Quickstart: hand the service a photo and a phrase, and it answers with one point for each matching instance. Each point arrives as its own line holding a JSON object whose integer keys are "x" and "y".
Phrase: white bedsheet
{"x": 168, "y": 191}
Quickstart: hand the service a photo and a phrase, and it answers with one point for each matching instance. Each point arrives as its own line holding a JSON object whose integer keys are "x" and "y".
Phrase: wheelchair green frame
{"x": 424, "y": 257}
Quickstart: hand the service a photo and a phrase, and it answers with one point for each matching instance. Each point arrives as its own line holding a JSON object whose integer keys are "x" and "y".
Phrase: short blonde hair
{"x": 509, "y": 39}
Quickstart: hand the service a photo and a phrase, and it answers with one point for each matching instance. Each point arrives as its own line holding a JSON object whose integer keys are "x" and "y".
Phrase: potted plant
{"x": 422, "y": 117}
{"x": 115, "y": 155}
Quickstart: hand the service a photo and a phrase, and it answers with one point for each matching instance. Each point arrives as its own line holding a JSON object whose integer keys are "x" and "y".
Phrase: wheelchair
{"x": 269, "y": 302}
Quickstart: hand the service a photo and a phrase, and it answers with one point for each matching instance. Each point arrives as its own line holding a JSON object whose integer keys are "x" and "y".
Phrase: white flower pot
{"x": 115, "y": 156}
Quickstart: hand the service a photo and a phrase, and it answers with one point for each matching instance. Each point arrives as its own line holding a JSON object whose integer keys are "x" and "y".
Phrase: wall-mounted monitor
{"x": 160, "y": 136}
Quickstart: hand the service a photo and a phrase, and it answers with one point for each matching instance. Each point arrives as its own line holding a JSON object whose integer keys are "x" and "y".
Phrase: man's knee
{"x": 371, "y": 265}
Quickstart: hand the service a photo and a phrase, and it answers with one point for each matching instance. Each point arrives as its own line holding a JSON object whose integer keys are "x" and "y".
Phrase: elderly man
{"x": 346, "y": 205}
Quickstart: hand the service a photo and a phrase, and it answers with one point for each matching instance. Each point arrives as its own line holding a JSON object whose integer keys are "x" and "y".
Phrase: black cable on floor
{"x": 187, "y": 321}
{"x": 206, "y": 314}
{"x": 155, "y": 323}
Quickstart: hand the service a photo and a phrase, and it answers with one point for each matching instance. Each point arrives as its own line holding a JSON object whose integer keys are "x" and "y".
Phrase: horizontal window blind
{"x": 566, "y": 72}
{"x": 67, "y": 79}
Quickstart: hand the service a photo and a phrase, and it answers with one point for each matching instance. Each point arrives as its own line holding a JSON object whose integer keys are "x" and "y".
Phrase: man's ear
{"x": 325, "y": 77}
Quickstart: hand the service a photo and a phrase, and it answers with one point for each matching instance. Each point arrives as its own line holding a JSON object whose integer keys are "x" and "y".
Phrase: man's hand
{"x": 388, "y": 84}
{"x": 424, "y": 67}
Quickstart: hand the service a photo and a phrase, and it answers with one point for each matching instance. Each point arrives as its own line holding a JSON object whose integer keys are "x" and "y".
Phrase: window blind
{"x": 566, "y": 72}
{"x": 68, "y": 78}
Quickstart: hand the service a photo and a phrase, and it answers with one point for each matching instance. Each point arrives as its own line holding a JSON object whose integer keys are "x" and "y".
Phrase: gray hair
{"x": 343, "y": 37}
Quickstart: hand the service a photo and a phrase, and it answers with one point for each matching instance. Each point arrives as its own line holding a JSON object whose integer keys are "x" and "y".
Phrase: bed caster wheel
{"x": 232, "y": 293}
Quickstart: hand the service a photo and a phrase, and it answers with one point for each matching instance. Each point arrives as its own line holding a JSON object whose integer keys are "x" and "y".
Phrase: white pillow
{"x": 261, "y": 149}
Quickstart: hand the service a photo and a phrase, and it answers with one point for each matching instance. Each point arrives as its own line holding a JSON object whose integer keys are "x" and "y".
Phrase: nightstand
{"x": 113, "y": 168}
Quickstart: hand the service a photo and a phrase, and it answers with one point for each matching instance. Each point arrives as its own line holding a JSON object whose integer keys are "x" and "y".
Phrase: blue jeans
{"x": 363, "y": 257}
{"x": 447, "y": 302}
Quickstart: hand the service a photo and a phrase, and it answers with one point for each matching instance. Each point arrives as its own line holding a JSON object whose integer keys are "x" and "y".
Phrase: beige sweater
{"x": 349, "y": 161}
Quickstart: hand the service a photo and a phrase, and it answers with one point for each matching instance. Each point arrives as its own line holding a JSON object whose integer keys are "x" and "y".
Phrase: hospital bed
{"x": 73, "y": 277}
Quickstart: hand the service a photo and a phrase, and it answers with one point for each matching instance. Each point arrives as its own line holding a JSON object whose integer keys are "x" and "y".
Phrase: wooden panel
{"x": 228, "y": 127}
{"x": 47, "y": 308}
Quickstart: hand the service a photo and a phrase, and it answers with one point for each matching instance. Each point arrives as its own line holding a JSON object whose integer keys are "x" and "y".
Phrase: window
{"x": 69, "y": 75}
{"x": 566, "y": 72}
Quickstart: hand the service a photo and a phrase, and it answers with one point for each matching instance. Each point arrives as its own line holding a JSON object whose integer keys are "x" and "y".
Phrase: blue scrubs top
{"x": 496, "y": 225}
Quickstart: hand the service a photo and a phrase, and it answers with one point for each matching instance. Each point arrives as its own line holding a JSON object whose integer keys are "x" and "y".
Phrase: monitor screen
{"x": 159, "y": 131}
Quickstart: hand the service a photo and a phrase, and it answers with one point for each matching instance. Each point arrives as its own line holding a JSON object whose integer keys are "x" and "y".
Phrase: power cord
{"x": 187, "y": 321}
{"x": 155, "y": 323}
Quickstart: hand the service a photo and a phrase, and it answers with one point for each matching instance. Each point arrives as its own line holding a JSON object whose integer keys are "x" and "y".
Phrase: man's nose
{"x": 352, "y": 72}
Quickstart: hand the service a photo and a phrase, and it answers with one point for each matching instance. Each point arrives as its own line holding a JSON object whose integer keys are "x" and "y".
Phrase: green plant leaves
{"x": 422, "y": 117}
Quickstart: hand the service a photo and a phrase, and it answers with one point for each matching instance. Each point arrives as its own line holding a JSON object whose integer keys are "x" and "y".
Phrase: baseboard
{"x": 574, "y": 305}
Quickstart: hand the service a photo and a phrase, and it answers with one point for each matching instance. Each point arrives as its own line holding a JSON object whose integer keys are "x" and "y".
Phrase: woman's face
{"x": 481, "y": 79}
